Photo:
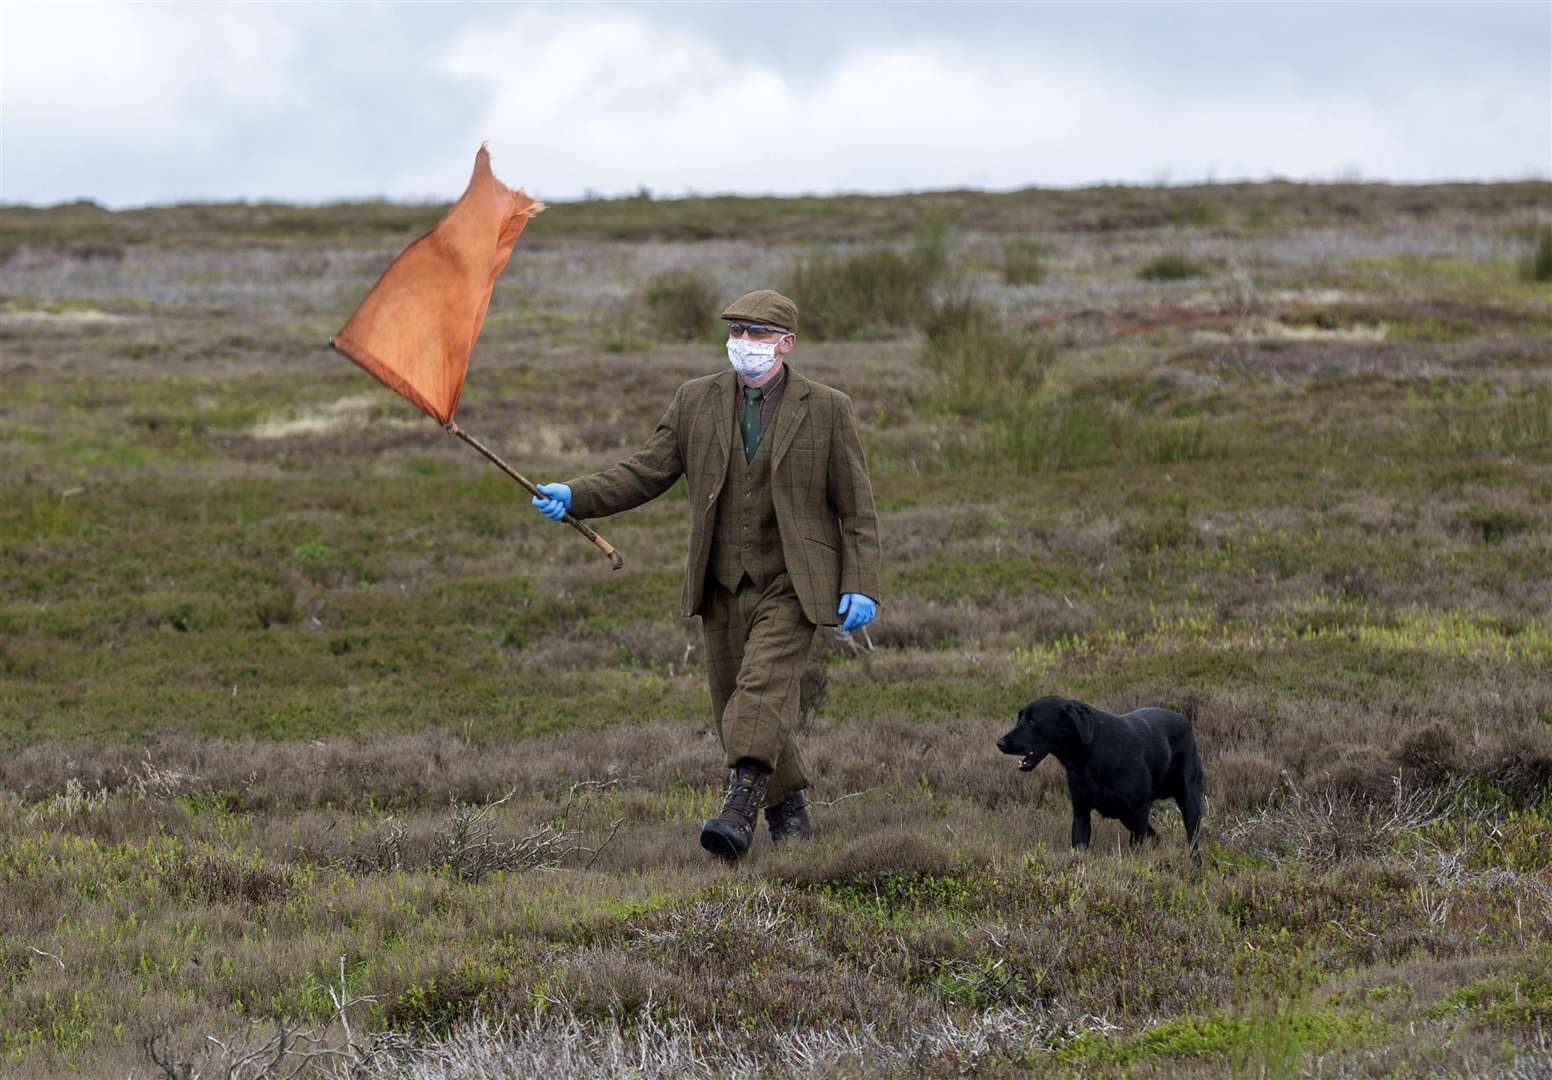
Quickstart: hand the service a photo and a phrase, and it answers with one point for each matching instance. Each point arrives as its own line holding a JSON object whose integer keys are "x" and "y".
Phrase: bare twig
{"x": 599, "y": 850}
{"x": 853, "y": 795}
{"x": 50, "y": 955}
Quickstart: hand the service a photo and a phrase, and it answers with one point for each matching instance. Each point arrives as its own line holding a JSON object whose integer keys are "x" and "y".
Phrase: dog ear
{"x": 1082, "y": 718}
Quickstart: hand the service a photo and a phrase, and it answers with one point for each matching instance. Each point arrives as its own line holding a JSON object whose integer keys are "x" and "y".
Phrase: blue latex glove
{"x": 559, "y": 501}
{"x": 856, "y": 611}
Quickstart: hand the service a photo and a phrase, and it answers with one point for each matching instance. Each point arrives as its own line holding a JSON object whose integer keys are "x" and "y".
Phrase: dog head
{"x": 1048, "y": 725}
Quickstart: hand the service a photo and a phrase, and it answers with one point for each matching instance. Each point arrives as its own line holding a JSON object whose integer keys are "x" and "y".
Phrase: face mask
{"x": 751, "y": 359}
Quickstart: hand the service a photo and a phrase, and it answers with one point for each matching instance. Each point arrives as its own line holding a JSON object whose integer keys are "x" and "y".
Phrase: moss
{"x": 1271, "y": 1040}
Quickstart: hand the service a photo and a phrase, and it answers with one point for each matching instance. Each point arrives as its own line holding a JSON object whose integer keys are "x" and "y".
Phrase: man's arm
{"x": 642, "y": 477}
{"x": 851, "y": 494}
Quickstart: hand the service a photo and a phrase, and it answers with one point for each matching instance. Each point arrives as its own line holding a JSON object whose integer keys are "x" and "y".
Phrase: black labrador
{"x": 1116, "y": 765}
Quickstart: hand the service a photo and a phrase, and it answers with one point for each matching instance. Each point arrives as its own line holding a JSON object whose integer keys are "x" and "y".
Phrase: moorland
{"x": 320, "y": 749}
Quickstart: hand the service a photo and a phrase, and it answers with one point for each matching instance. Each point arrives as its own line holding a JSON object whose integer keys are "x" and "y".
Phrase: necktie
{"x": 749, "y": 421}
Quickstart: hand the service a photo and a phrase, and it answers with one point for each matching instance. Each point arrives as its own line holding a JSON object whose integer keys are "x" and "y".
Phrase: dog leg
{"x": 1081, "y": 829}
{"x": 1190, "y": 804}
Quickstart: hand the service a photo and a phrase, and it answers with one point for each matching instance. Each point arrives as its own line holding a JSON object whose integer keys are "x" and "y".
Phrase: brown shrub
{"x": 912, "y": 623}
{"x": 1522, "y": 767}
{"x": 220, "y": 877}
{"x": 1364, "y": 773}
{"x": 1429, "y": 750}
{"x": 1241, "y": 780}
{"x": 889, "y": 851}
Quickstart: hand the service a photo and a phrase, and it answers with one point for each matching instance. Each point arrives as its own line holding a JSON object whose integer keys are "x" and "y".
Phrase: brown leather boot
{"x": 728, "y": 834}
{"x": 788, "y": 819}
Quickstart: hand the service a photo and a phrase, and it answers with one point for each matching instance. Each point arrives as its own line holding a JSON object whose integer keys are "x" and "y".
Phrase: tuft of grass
{"x": 982, "y": 365}
{"x": 1023, "y": 261}
{"x": 1538, "y": 264}
{"x": 1473, "y": 417}
{"x": 624, "y": 337}
{"x": 1198, "y": 215}
{"x": 1521, "y": 999}
{"x": 1494, "y": 524}
{"x": 1056, "y": 434}
{"x": 875, "y": 292}
{"x": 680, "y": 304}
{"x": 1171, "y": 266}
{"x": 276, "y": 607}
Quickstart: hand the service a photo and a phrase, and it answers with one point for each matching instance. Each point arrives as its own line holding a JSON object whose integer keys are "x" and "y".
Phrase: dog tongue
{"x": 1026, "y": 762}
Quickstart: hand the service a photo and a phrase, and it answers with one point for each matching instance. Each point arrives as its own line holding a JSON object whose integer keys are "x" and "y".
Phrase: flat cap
{"x": 764, "y": 306}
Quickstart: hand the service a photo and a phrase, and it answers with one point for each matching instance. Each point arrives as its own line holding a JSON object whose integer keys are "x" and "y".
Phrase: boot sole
{"x": 722, "y": 841}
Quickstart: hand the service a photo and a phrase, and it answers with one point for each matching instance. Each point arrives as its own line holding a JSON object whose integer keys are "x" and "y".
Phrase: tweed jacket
{"x": 819, "y": 480}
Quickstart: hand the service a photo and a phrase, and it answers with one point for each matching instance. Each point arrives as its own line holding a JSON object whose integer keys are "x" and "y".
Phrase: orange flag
{"x": 415, "y": 328}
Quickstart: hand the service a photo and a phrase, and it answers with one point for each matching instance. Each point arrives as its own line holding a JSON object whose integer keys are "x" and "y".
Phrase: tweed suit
{"x": 819, "y": 479}
{"x": 757, "y": 637}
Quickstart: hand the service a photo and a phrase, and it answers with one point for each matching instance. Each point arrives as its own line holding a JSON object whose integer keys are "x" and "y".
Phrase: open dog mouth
{"x": 1028, "y": 761}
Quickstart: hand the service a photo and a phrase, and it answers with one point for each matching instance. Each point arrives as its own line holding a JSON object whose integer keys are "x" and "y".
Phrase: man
{"x": 783, "y": 538}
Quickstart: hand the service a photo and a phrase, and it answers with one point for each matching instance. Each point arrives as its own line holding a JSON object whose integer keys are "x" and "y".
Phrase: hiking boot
{"x": 788, "y": 819}
{"x": 728, "y": 834}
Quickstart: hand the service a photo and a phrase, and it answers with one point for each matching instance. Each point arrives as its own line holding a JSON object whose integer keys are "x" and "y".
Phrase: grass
{"x": 682, "y": 305}
{"x": 1023, "y": 261}
{"x": 872, "y": 292}
{"x": 308, "y": 718}
{"x": 982, "y": 365}
{"x": 1538, "y": 264}
{"x": 1171, "y": 266}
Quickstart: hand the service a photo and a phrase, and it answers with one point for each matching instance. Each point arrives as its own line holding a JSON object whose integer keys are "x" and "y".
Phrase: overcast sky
{"x": 131, "y": 104}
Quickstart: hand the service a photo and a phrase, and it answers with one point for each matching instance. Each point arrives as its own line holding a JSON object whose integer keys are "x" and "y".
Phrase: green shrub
{"x": 875, "y": 292}
{"x": 1197, "y": 215}
{"x": 1493, "y": 524}
{"x": 1538, "y": 264}
{"x": 1053, "y": 434}
{"x": 625, "y": 337}
{"x": 681, "y": 305}
{"x": 276, "y": 607}
{"x": 1171, "y": 266}
{"x": 1021, "y": 261}
{"x": 983, "y": 367}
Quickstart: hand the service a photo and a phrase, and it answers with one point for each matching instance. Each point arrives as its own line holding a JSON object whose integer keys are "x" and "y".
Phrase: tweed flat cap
{"x": 764, "y": 306}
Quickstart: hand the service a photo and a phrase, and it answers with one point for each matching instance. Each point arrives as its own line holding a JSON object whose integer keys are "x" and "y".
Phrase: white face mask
{"x": 751, "y": 359}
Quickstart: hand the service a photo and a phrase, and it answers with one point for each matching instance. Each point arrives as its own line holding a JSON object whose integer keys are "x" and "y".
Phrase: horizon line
{"x": 646, "y": 194}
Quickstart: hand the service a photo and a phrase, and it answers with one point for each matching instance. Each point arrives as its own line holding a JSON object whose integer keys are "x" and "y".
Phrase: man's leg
{"x": 757, "y": 642}
{"x": 761, "y": 711}
{"x": 731, "y": 624}
{"x": 723, "y": 633}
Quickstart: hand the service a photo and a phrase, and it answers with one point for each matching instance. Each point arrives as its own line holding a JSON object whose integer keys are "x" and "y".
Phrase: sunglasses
{"x": 736, "y": 328}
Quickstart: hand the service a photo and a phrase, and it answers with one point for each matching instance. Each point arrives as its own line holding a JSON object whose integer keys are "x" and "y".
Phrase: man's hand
{"x": 855, "y": 611}
{"x": 557, "y": 500}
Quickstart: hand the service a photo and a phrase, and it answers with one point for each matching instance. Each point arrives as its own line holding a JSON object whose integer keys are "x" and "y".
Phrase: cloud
{"x": 127, "y": 78}
{"x": 137, "y": 103}
{"x": 609, "y": 100}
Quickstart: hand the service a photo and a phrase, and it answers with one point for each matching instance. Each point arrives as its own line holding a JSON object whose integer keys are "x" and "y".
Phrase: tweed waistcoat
{"x": 746, "y": 538}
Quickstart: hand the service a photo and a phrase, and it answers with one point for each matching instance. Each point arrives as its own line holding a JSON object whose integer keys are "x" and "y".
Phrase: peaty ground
{"x": 318, "y": 738}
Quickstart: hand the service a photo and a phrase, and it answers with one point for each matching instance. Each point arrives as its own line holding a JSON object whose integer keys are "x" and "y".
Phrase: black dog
{"x": 1116, "y": 765}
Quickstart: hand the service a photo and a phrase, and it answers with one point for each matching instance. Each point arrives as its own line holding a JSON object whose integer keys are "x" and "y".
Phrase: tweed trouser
{"x": 757, "y": 642}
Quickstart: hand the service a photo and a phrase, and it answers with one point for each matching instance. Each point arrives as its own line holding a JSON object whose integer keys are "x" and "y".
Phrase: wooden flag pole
{"x": 615, "y": 561}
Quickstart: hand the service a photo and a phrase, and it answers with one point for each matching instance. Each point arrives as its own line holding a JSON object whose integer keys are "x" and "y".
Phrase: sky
{"x": 131, "y": 104}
